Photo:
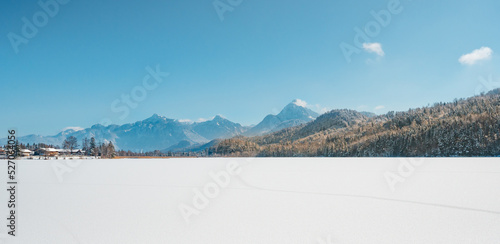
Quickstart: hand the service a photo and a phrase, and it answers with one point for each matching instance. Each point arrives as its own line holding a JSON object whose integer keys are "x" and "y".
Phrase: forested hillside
{"x": 464, "y": 127}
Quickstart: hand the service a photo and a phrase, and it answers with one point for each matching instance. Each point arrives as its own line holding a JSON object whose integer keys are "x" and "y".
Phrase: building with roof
{"x": 25, "y": 152}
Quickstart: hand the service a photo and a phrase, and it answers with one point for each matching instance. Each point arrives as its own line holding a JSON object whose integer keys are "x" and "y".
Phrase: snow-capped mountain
{"x": 153, "y": 133}
{"x": 161, "y": 133}
{"x": 293, "y": 114}
{"x": 218, "y": 127}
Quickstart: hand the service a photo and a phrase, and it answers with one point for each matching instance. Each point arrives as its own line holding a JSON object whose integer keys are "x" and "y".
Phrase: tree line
{"x": 92, "y": 148}
{"x": 462, "y": 128}
{"x": 89, "y": 147}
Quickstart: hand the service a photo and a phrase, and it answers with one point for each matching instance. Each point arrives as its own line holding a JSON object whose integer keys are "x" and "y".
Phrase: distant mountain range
{"x": 464, "y": 127}
{"x": 160, "y": 133}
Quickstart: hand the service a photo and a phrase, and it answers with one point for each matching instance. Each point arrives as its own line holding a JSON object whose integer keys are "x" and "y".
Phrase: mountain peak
{"x": 294, "y": 113}
{"x": 297, "y": 110}
{"x": 155, "y": 117}
{"x": 218, "y": 118}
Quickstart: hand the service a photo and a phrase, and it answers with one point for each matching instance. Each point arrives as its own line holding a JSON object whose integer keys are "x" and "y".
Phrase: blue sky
{"x": 259, "y": 57}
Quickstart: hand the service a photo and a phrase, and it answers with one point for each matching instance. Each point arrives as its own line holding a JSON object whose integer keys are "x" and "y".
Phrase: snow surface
{"x": 272, "y": 200}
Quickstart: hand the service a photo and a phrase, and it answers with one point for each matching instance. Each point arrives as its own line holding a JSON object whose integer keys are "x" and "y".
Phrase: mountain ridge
{"x": 161, "y": 133}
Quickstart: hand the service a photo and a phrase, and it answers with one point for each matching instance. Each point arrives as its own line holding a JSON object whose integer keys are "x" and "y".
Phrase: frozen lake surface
{"x": 225, "y": 200}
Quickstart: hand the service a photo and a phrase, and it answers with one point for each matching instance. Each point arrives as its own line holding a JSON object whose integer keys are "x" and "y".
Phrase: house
{"x": 3, "y": 153}
{"x": 71, "y": 152}
{"x": 78, "y": 152}
{"x": 52, "y": 152}
{"x": 49, "y": 152}
{"x": 25, "y": 152}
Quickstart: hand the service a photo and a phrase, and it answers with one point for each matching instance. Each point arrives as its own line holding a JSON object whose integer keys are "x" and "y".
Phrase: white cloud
{"x": 184, "y": 120}
{"x": 75, "y": 128}
{"x": 374, "y": 48}
{"x": 379, "y": 107}
{"x": 482, "y": 53}
{"x": 300, "y": 103}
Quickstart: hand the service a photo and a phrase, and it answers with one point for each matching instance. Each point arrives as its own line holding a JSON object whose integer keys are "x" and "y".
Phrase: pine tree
{"x": 111, "y": 150}
{"x": 17, "y": 149}
{"x": 103, "y": 150}
{"x": 93, "y": 148}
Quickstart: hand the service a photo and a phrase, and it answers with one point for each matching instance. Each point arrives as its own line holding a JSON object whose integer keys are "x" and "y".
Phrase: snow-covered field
{"x": 224, "y": 200}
